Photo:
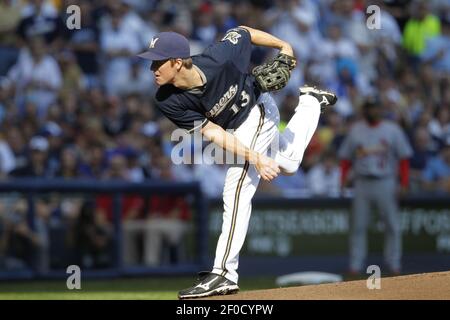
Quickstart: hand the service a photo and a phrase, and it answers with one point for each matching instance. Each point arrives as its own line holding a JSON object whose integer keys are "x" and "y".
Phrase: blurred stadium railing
{"x": 46, "y": 236}
{"x": 285, "y": 235}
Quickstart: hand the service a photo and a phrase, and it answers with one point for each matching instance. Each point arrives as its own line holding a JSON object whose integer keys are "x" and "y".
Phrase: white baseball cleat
{"x": 209, "y": 284}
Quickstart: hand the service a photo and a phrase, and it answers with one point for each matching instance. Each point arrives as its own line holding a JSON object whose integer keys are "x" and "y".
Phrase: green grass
{"x": 114, "y": 289}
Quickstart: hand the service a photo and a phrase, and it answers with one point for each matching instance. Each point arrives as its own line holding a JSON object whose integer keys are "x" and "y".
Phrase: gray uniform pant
{"x": 154, "y": 230}
{"x": 381, "y": 194}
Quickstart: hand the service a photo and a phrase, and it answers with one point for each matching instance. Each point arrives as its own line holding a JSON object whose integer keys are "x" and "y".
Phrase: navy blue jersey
{"x": 228, "y": 93}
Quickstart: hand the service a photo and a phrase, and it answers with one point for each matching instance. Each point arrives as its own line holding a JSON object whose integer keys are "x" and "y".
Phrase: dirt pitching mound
{"x": 411, "y": 287}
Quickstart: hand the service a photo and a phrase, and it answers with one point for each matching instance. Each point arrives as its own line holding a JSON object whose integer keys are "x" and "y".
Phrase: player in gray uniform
{"x": 377, "y": 150}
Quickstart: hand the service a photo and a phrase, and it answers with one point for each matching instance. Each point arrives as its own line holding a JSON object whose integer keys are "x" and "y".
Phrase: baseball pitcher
{"x": 213, "y": 92}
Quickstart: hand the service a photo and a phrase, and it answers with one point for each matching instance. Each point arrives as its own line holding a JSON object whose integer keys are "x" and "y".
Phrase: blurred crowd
{"x": 78, "y": 103}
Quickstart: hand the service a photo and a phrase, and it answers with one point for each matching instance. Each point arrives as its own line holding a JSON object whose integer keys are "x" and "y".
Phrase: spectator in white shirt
{"x": 137, "y": 81}
{"x": 439, "y": 127}
{"x": 324, "y": 178}
{"x": 297, "y": 21}
{"x": 133, "y": 22}
{"x": 7, "y": 160}
{"x": 40, "y": 18}
{"x": 36, "y": 77}
{"x": 118, "y": 43}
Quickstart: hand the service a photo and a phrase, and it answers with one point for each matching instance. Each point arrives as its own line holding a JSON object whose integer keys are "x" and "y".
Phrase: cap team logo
{"x": 153, "y": 42}
{"x": 232, "y": 36}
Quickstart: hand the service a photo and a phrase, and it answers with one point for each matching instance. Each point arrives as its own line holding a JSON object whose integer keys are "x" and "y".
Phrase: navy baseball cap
{"x": 166, "y": 45}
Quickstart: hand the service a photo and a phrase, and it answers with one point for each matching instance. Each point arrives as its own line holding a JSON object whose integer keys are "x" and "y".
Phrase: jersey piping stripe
{"x": 238, "y": 192}
{"x": 202, "y": 125}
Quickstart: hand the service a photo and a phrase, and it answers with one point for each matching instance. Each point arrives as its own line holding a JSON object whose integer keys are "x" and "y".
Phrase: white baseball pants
{"x": 260, "y": 132}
